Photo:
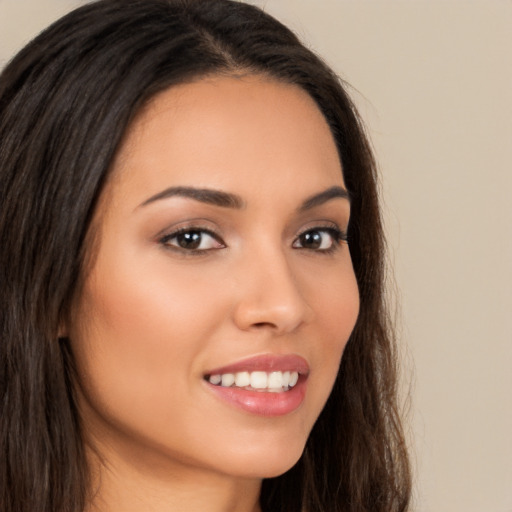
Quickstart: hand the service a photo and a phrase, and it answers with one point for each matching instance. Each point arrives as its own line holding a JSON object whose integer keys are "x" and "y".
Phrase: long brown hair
{"x": 65, "y": 102}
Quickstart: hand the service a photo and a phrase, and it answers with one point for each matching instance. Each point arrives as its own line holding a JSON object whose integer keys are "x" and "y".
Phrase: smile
{"x": 266, "y": 385}
{"x": 272, "y": 382}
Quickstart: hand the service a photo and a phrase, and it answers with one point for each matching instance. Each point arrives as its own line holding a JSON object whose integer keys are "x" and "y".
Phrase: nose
{"x": 269, "y": 296}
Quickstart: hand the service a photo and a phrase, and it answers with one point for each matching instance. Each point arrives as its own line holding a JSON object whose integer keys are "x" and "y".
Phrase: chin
{"x": 269, "y": 461}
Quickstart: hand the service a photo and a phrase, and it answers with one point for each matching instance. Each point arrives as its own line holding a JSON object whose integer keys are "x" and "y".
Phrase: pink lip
{"x": 260, "y": 402}
{"x": 266, "y": 363}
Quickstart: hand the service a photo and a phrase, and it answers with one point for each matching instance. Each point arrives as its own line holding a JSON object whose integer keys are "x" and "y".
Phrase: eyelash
{"x": 338, "y": 237}
{"x": 189, "y": 230}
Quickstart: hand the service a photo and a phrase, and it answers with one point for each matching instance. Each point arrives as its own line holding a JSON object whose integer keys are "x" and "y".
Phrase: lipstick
{"x": 266, "y": 385}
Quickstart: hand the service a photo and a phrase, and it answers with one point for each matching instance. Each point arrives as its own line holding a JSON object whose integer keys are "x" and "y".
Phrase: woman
{"x": 191, "y": 243}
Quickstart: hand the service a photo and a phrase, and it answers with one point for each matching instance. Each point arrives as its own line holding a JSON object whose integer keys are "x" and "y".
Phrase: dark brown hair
{"x": 66, "y": 101}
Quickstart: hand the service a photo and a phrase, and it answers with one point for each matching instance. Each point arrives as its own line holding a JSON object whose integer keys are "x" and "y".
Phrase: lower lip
{"x": 263, "y": 403}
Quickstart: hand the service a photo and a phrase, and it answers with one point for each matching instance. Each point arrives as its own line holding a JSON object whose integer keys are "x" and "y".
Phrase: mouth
{"x": 268, "y": 385}
{"x": 259, "y": 381}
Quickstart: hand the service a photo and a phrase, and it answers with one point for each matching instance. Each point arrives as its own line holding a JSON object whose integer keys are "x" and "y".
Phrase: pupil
{"x": 311, "y": 240}
{"x": 189, "y": 240}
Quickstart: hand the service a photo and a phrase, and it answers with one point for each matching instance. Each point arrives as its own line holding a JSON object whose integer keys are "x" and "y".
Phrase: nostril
{"x": 263, "y": 324}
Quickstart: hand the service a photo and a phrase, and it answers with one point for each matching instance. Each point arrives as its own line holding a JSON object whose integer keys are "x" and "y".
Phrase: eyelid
{"x": 194, "y": 223}
{"x": 325, "y": 225}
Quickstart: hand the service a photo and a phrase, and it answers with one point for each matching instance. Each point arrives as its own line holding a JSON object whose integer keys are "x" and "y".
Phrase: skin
{"x": 153, "y": 317}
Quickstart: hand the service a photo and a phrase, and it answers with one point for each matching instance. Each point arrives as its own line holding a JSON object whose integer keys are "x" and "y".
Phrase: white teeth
{"x": 242, "y": 379}
{"x": 259, "y": 380}
{"x": 215, "y": 379}
{"x": 228, "y": 379}
{"x": 274, "y": 382}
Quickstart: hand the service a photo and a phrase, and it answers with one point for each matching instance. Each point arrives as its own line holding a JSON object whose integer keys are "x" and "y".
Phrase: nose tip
{"x": 271, "y": 300}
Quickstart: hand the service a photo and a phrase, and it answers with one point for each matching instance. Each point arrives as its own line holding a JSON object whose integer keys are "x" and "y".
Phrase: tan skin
{"x": 157, "y": 313}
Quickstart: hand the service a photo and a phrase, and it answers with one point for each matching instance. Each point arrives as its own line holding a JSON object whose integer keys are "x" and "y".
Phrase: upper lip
{"x": 265, "y": 363}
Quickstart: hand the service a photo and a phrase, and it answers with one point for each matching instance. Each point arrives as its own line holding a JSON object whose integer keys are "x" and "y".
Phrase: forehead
{"x": 229, "y": 132}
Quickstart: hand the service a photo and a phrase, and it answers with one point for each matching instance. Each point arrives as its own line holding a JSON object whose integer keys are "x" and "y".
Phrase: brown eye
{"x": 312, "y": 240}
{"x": 319, "y": 239}
{"x": 189, "y": 240}
{"x": 193, "y": 240}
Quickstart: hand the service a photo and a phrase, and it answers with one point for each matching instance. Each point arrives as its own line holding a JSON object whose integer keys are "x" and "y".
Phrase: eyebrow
{"x": 335, "y": 192}
{"x": 229, "y": 200}
{"x": 203, "y": 195}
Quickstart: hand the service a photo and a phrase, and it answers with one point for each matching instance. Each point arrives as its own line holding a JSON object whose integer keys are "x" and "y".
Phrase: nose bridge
{"x": 269, "y": 291}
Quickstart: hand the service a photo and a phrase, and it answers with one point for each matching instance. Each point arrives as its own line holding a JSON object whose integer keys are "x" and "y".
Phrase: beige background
{"x": 433, "y": 80}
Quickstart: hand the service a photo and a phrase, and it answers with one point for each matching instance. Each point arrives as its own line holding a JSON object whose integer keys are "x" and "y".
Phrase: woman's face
{"x": 221, "y": 258}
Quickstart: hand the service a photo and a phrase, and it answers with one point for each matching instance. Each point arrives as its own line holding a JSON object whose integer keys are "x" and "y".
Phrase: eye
{"x": 192, "y": 239}
{"x": 320, "y": 239}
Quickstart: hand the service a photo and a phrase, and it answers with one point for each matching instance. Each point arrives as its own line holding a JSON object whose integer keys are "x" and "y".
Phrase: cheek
{"x": 335, "y": 302}
{"x": 152, "y": 307}
{"x": 336, "y": 306}
{"x": 141, "y": 336}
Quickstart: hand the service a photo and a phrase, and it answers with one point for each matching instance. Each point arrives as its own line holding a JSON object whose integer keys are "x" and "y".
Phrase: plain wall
{"x": 433, "y": 79}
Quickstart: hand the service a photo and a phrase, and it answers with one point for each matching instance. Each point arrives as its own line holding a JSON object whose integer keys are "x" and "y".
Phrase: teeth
{"x": 259, "y": 380}
{"x": 215, "y": 379}
{"x": 274, "y": 382}
{"x": 242, "y": 379}
{"x": 228, "y": 379}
